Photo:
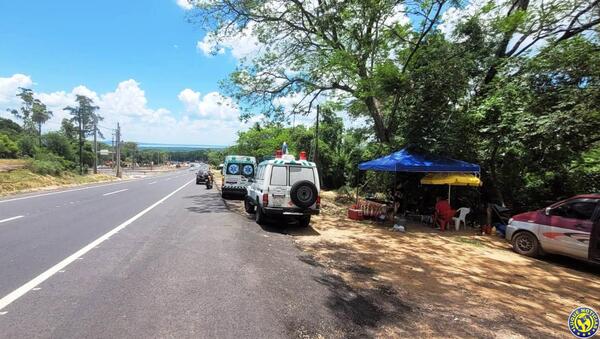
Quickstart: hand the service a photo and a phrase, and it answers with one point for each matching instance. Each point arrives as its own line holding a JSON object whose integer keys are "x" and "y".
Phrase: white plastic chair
{"x": 462, "y": 215}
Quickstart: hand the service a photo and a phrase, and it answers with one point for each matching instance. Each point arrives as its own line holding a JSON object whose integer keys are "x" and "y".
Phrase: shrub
{"x": 49, "y": 164}
{"x": 46, "y": 167}
{"x": 59, "y": 144}
{"x": 27, "y": 146}
{"x": 8, "y": 148}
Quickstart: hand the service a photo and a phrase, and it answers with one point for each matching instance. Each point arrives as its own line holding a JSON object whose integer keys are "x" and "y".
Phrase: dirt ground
{"x": 424, "y": 283}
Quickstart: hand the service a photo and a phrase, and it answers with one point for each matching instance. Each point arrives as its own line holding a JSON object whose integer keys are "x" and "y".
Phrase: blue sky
{"x": 119, "y": 48}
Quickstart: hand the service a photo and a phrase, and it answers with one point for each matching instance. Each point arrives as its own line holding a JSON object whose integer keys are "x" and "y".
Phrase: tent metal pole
{"x": 357, "y": 186}
{"x": 449, "y": 188}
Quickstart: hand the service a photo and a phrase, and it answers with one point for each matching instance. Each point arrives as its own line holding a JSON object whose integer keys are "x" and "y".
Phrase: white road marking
{"x": 75, "y": 189}
{"x": 36, "y": 288}
{"x": 3, "y": 313}
{"x": 10, "y": 219}
{"x": 115, "y": 192}
{"x": 152, "y": 183}
{"x": 19, "y": 292}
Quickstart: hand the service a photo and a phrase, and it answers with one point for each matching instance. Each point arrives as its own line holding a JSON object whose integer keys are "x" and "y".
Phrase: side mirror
{"x": 547, "y": 210}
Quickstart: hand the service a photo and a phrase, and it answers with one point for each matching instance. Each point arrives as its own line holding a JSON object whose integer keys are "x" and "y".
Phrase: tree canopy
{"x": 510, "y": 84}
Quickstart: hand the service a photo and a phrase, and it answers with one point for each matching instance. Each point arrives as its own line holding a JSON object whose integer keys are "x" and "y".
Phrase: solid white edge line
{"x": 19, "y": 292}
{"x": 12, "y": 218}
{"x": 115, "y": 192}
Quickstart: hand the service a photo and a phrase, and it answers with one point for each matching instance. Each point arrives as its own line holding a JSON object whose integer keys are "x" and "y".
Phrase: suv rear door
{"x": 278, "y": 186}
{"x": 594, "y": 250}
{"x": 570, "y": 226}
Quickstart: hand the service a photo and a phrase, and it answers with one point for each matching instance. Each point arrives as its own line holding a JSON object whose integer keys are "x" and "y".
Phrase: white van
{"x": 284, "y": 186}
{"x": 237, "y": 172}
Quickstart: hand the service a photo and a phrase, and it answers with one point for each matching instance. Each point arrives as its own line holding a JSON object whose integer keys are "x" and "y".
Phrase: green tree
{"x": 24, "y": 113}
{"x": 68, "y": 129}
{"x": 8, "y": 148}
{"x": 315, "y": 48}
{"x": 59, "y": 144}
{"x": 86, "y": 117}
{"x": 27, "y": 145}
{"x": 39, "y": 115}
{"x": 10, "y": 128}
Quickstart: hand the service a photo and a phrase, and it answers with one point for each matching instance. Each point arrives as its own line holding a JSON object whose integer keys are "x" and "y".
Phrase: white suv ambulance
{"x": 284, "y": 186}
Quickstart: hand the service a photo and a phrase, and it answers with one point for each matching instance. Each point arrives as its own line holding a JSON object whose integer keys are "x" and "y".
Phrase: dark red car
{"x": 570, "y": 227}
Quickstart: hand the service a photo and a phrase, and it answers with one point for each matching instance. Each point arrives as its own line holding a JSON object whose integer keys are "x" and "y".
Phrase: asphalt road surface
{"x": 158, "y": 257}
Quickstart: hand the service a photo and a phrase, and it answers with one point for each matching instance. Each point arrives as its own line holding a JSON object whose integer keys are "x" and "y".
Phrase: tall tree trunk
{"x": 40, "y": 132}
{"x": 495, "y": 187}
{"x": 374, "y": 110}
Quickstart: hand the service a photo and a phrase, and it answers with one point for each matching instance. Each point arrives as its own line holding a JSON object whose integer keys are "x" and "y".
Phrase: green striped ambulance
{"x": 285, "y": 187}
{"x": 238, "y": 171}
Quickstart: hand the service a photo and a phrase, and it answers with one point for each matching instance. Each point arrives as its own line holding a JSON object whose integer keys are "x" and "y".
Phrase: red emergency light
{"x": 302, "y": 155}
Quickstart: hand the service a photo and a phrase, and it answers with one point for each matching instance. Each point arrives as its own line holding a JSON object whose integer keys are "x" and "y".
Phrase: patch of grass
{"x": 25, "y": 180}
{"x": 10, "y": 164}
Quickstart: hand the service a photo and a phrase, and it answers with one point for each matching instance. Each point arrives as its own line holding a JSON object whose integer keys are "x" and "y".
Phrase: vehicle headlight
{"x": 510, "y": 221}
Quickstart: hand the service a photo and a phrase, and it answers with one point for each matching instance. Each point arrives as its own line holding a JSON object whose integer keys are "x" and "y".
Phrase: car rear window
{"x": 301, "y": 173}
{"x": 279, "y": 176}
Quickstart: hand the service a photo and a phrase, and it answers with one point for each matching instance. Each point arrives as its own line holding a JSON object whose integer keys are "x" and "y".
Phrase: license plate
{"x": 277, "y": 200}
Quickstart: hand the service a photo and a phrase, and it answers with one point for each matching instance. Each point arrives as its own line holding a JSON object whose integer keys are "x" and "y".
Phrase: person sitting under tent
{"x": 443, "y": 213}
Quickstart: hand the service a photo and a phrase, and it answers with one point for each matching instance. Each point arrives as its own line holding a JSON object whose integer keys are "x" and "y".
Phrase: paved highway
{"x": 155, "y": 257}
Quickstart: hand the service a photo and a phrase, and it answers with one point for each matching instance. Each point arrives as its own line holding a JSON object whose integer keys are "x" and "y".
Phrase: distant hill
{"x": 179, "y": 147}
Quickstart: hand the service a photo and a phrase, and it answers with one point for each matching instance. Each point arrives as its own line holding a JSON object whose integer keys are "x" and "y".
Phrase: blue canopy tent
{"x": 406, "y": 160}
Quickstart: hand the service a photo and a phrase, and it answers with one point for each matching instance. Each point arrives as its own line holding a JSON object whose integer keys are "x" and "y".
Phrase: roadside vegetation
{"x": 512, "y": 86}
{"x": 30, "y": 159}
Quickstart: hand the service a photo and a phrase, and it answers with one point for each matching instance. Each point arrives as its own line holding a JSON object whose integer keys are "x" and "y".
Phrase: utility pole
{"x": 317, "y": 135}
{"x": 118, "y": 151}
{"x": 112, "y": 143}
{"x": 95, "y": 148}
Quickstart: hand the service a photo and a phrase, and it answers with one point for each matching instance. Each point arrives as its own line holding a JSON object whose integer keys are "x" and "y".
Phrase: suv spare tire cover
{"x": 304, "y": 194}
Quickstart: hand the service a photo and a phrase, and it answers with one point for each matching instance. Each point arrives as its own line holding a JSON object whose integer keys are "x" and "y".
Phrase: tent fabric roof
{"x": 407, "y": 161}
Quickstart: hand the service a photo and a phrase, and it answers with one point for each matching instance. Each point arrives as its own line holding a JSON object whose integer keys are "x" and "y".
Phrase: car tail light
{"x": 318, "y": 201}
{"x": 265, "y": 199}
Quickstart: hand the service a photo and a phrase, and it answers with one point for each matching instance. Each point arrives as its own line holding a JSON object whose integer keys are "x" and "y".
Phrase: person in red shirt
{"x": 443, "y": 213}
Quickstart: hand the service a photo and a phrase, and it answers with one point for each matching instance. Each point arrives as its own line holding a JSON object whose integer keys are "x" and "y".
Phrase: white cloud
{"x": 210, "y": 119}
{"x": 398, "y": 16}
{"x": 9, "y": 87}
{"x": 213, "y": 106}
{"x": 185, "y": 4}
{"x": 242, "y": 44}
